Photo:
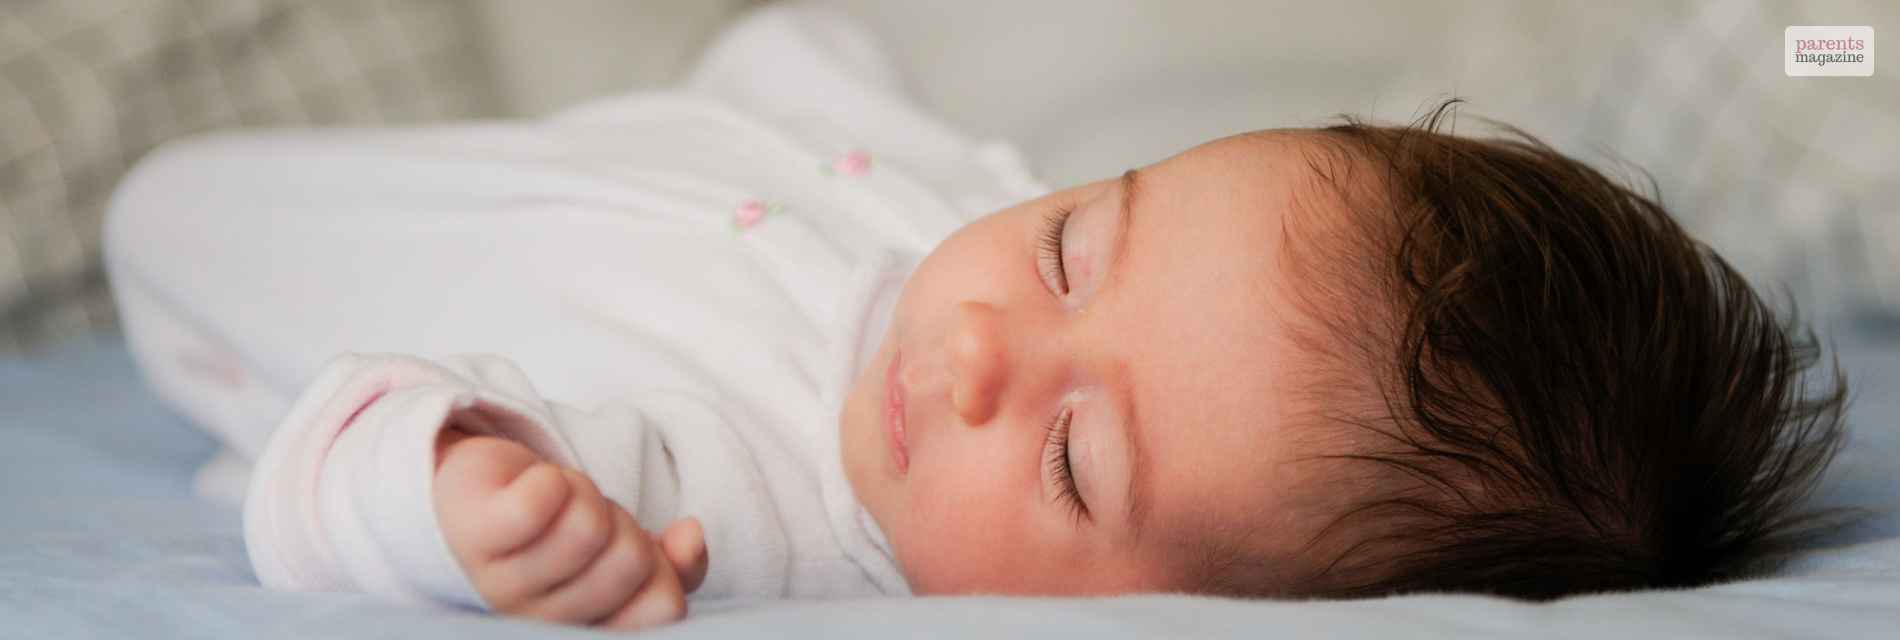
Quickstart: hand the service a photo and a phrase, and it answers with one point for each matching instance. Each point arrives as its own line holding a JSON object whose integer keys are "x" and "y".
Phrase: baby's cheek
{"x": 965, "y": 539}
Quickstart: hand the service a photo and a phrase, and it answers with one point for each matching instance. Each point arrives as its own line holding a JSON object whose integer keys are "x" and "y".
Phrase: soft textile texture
{"x": 102, "y": 538}
{"x": 342, "y": 499}
{"x": 1809, "y": 585}
{"x": 680, "y": 288}
{"x": 87, "y": 87}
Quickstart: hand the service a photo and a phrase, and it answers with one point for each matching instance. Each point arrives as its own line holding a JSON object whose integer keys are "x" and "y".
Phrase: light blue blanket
{"x": 101, "y": 537}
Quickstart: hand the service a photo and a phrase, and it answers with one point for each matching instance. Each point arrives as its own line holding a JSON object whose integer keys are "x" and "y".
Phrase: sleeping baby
{"x": 777, "y": 333}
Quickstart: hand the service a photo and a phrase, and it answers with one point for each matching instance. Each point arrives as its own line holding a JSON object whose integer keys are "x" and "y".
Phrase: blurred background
{"x": 1791, "y": 178}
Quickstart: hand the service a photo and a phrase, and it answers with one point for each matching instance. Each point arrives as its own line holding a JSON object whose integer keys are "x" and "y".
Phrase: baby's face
{"x": 1079, "y": 428}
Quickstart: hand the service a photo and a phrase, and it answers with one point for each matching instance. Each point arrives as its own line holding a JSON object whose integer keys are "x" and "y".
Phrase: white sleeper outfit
{"x": 677, "y": 288}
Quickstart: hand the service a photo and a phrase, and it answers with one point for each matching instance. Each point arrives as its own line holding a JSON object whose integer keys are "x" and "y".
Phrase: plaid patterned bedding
{"x": 1791, "y": 178}
{"x": 89, "y": 86}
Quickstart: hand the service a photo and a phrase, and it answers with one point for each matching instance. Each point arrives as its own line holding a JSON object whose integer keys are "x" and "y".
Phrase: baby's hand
{"x": 539, "y": 540}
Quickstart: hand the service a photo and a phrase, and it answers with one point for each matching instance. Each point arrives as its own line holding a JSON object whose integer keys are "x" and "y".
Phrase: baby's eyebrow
{"x": 1137, "y": 465}
{"x": 1130, "y": 188}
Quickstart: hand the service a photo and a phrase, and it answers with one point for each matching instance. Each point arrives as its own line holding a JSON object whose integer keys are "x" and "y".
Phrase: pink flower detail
{"x": 855, "y": 164}
{"x": 749, "y": 213}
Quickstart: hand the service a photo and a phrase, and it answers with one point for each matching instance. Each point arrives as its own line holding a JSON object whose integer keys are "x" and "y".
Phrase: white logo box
{"x": 1828, "y": 51}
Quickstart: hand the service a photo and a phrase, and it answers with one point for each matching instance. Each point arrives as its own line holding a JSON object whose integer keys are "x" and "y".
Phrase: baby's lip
{"x": 896, "y": 420}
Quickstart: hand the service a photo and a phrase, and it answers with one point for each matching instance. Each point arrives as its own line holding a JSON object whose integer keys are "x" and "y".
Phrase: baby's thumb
{"x": 684, "y": 543}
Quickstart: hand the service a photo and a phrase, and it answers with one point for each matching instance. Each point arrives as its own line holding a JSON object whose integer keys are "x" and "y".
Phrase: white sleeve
{"x": 342, "y": 497}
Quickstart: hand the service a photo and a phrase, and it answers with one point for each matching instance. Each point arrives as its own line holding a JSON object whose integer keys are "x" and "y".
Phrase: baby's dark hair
{"x": 1569, "y": 393}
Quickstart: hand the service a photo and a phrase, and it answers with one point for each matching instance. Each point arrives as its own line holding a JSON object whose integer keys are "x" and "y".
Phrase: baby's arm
{"x": 360, "y": 490}
{"x": 539, "y": 540}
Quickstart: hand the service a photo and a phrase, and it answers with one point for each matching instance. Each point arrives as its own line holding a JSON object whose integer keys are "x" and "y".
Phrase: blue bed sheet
{"x": 100, "y": 536}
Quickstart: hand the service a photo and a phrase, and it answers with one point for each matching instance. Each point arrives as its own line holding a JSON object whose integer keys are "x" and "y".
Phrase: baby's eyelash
{"x": 1050, "y": 251}
{"x": 1056, "y": 454}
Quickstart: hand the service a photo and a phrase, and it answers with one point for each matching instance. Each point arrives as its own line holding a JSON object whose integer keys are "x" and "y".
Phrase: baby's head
{"x": 1336, "y": 362}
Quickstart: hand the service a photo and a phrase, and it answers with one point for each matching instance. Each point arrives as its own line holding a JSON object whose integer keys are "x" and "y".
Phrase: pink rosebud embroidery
{"x": 855, "y": 164}
{"x": 749, "y": 213}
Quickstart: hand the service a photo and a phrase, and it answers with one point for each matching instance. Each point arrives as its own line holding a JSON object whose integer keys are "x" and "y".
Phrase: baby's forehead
{"x": 1252, "y": 150}
{"x": 1249, "y": 470}
{"x": 1260, "y": 143}
{"x": 1320, "y": 175}
{"x": 1277, "y": 521}
{"x": 1277, "y": 527}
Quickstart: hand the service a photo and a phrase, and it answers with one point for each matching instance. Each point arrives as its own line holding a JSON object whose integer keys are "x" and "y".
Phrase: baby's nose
{"x": 978, "y": 361}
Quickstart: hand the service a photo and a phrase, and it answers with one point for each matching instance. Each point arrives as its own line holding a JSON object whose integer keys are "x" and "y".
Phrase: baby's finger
{"x": 684, "y": 542}
{"x": 660, "y": 600}
{"x": 488, "y": 496}
{"x": 579, "y": 534}
{"x": 447, "y": 439}
{"x": 602, "y": 588}
{"x": 523, "y": 510}
{"x": 483, "y": 462}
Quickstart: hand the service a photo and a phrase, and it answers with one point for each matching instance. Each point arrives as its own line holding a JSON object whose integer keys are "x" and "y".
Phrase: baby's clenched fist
{"x": 539, "y": 540}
